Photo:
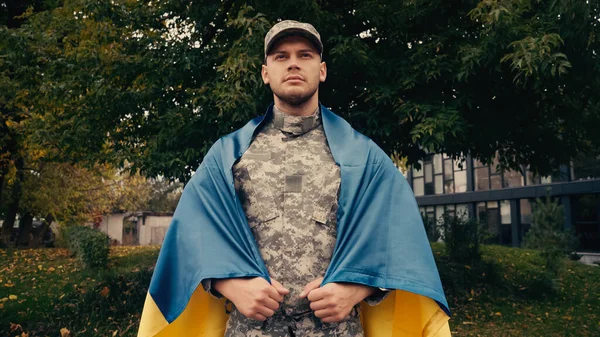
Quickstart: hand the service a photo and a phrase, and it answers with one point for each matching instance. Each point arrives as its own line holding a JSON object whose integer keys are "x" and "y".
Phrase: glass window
{"x": 525, "y": 211}
{"x": 460, "y": 181}
{"x": 532, "y": 179}
{"x": 492, "y": 204}
{"x": 481, "y": 215}
{"x": 493, "y": 165}
{"x": 439, "y": 212}
{"x": 418, "y": 173}
{"x": 462, "y": 211}
{"x": 429, "y": 188}
{"x": 513, "y": 179}
{"x": 418, "y": 186}
{"x": 439, "y": 184}
{"x": 437, "y": 163}
{"x": 496, "y": 180}
{"x": 505, "y": 211}
{"x": 428, "y": 172}
{"x": 448, "y": 169}
{"x": 459, "y": 165}
{"x": 482, "y": 179}
{"x": 449, "y": 186}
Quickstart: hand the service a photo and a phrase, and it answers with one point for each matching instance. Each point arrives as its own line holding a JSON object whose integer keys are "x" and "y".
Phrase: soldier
{"x": 288, "y": 184}
{"x": 295, "y": 219}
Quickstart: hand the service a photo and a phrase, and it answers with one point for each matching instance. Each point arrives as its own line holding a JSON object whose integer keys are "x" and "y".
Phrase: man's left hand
{"x": 334, "y": 301}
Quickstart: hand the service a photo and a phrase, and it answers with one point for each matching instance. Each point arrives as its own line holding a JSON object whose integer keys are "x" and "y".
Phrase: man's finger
{"x": 323, "y": 313}
{"x": 311, "y": 286}
{"x": 316, "y": 294}
{"x": 259, "y": 317}
{"x": 271, "y": 304}
{"x": 265, "y": 311}
{"x": 318, "y": 305}
{"x": 280, "y": 288}
{"x": 274, "y": 294}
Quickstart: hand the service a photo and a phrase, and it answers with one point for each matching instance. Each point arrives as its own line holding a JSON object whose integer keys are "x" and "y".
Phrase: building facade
{"x": 502, "y": 201}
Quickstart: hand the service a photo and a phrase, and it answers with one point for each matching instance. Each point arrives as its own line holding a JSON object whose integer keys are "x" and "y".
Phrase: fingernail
{"x": 302, "y": 294}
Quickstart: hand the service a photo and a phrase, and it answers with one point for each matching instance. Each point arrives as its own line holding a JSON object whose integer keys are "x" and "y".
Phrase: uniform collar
{"x": 295, "y": 125}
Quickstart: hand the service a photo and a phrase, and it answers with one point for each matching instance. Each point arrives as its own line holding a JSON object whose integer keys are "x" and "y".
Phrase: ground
{"x": 45, "y": 290}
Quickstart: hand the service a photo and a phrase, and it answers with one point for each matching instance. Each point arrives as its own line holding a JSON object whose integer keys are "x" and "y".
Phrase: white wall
{"x": 112, "y": 225}
{"x": 157, "y": 224}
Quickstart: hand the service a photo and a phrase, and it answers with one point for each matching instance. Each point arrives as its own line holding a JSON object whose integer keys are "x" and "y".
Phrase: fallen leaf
{"x": 64, "y": 332}
{"x": 1, "y": 305}
{"x": 105, "y": 291}
{"x": 24, "y": 334}
{"x": 14, "y": 327}
{"x": 12, "y": 297}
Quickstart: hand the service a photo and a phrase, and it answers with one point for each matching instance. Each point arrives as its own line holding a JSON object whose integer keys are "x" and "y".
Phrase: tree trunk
{"x": 25, "y": 226}
{"x": 13, "y": 207}
{"x": 37, "y": 240}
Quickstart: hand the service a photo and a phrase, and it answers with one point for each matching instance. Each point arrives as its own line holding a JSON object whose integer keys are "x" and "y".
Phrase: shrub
{"x": 433, "y": 234}
{"x": 90, "y": 246}
{"x": 547, "y": 234}
{"x": 462, "y": 237}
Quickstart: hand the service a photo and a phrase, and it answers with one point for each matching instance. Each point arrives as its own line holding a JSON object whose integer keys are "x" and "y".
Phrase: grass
{"x": 43, "y": 291}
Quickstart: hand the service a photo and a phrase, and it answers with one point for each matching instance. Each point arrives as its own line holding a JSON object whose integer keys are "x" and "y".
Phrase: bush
{"x": 90, "y": 246}
{"x": 463, "y": 237}
{"x": 433, "y": 234}
{"x": 547, "y": 234}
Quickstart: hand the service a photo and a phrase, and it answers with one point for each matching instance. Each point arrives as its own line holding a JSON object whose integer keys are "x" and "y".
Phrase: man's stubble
{"x": 296, "y": 99}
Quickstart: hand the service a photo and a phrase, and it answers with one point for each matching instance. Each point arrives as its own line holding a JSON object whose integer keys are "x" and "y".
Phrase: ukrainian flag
{"x": 381, "y": 243}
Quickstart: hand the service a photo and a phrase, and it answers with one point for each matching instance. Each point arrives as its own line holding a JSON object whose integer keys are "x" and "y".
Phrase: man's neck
{"x": 306, "y": 109}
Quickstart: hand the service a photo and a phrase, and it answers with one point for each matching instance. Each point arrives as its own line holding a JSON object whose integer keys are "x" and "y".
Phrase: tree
{"x": 547, "y": 234}
{"x": 157, "y": 84}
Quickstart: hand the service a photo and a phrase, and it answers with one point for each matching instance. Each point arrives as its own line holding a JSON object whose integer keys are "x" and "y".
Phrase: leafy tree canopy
{"x": 157, "y": 82}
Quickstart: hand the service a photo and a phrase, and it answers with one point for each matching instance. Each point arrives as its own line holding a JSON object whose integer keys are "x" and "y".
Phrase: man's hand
{"x": 255, "y": 298}
{"x": 334, "y": 301}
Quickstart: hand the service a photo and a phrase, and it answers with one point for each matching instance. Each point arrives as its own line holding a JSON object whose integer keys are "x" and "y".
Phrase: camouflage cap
{"x": 289, "y": 28}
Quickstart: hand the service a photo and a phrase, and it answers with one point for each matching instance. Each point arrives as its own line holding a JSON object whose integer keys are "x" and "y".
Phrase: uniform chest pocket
{"x": 254, "y": 192}
{"x": 326, "y": 203}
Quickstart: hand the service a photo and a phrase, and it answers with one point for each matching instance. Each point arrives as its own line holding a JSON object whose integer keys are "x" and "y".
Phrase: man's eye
{"x": 306, "y": 55}
{"x": 277, "y": 57}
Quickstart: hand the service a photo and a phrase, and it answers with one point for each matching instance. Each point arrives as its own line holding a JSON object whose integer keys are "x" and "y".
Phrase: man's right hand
{"x": 255, "y": 298}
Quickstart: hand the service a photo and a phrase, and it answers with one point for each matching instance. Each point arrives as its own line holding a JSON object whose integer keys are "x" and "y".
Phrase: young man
{"x": 296, "y": 218}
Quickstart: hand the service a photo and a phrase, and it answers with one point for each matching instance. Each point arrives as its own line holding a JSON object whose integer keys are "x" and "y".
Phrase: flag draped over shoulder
{"x": 381, "y": 242}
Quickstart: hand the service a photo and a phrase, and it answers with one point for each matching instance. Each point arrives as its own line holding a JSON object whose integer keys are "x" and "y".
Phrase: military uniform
{"x": 288, "y": 184}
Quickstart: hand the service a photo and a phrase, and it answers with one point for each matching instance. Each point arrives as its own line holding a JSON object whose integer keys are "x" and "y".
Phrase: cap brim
{"x": 294, "y": 32}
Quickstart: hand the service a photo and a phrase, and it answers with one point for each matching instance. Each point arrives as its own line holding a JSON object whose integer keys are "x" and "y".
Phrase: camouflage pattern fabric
{"x": 288, "y": 184}
{"x": 280, "y": 325}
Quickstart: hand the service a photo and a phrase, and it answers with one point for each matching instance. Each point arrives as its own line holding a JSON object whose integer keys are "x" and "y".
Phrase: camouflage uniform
{"x": 288, "y": 184}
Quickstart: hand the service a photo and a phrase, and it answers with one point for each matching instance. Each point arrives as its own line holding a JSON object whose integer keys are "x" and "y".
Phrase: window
{"x": 439, "y": 174}
{"x": 482, "y": 179}
{"x": 505, "y": 223}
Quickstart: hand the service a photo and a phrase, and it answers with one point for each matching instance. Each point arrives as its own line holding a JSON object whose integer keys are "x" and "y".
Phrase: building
{"x": 503, "y": 200}
{"x": 135, "y": 228}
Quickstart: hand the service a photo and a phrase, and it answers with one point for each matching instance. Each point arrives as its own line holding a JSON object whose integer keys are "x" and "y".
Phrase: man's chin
{"x": 295, "y": 98}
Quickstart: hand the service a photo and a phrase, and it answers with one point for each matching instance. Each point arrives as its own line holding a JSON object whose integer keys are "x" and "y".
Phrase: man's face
{"x": 294, "y": 70}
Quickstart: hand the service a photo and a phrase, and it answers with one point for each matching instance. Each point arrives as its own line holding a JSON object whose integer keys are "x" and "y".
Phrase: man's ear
{"x": 323, "y": 72}
{"x": 265, "y": 74}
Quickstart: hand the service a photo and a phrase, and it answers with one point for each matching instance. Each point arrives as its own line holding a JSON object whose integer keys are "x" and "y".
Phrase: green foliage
{"x": 463, "y": 237}
{"x": 157, "y": 85}
{"x": 91, "y": 247}
{"x": 547, "y": 234}
{"x": 433, "y": 233}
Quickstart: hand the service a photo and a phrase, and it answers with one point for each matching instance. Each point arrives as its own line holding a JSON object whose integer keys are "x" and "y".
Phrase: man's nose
{"x": 293, "y": 63}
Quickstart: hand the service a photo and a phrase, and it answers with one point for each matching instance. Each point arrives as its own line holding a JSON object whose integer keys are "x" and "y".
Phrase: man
{"x": 292, "y": 220}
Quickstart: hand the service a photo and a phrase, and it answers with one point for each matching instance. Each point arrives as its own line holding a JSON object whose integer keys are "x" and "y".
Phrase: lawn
{"x": 43, "y": 291}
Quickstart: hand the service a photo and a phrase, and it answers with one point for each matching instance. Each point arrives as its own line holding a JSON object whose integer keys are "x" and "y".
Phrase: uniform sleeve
{"x": 379, "y": 295}
{"x": 207, "y": 285}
